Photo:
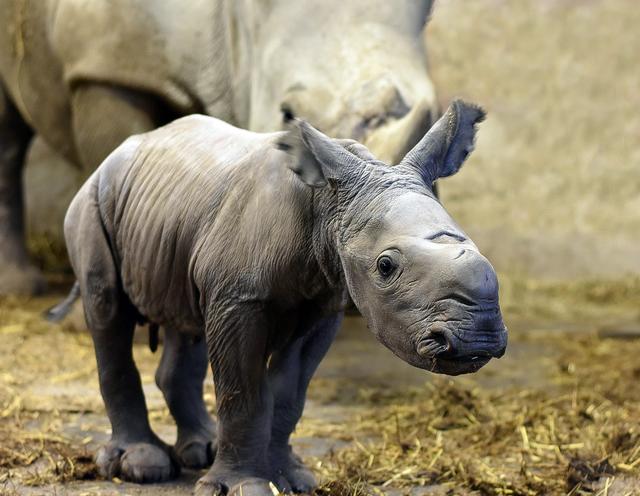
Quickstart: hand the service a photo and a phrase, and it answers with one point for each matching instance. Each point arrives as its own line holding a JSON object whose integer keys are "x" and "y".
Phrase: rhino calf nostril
{"x": 462, "y": 252}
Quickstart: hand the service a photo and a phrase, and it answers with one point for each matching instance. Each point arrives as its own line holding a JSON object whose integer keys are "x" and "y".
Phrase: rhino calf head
{"x": 423, "y": 287}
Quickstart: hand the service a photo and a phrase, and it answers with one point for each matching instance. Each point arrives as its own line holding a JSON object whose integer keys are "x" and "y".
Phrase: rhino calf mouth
{"x": 459, "y": 365}
{"x": 450, "y": 352}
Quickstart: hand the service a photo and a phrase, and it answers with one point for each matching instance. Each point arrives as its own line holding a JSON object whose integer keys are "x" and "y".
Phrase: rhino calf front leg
{"x": 290, "y": 372}
{"x": 180, "y": 377}
{"x": 237, "y": 337}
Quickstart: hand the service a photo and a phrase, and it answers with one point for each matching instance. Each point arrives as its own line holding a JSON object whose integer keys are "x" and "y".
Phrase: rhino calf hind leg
{"x": 290, "y": 372}
{"x": 17, "y": 275}
{"x": 134, "y": 452}
{"x": 180, "y": 377}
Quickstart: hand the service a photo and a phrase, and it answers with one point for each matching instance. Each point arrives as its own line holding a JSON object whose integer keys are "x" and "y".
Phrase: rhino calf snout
{"x": 484, "y": 337}
{"x": 466, "y": 323}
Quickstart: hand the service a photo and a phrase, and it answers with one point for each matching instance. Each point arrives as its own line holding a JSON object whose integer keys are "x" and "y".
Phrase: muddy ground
{"x": 559, "y": 414}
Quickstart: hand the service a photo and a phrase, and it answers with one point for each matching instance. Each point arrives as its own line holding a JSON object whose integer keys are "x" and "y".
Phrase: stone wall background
{"x": 553, "y": 189}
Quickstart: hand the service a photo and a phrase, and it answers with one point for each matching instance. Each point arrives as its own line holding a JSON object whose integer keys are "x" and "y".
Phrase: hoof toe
{"x": 144, "y": 462}
{"x": 139, "y": 462}
{"x": 299, "y": 478}
{"x": 108, "y": 461}
{"x": 302, "y": 480}
{"x": 195, "y": 455}
{"x": 252, "y": 487}
{"x": 209, "y": 488}
{"x": 221, "y": 483}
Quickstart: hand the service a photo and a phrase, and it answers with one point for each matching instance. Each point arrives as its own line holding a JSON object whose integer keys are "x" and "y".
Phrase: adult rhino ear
{"x": 316, "y": 157}
{"x": 447, "y": 144}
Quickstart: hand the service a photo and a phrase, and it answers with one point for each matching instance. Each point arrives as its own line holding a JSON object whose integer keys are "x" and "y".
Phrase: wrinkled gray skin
{"x": 86, "y": 75}
{"x": 201, "y": 228}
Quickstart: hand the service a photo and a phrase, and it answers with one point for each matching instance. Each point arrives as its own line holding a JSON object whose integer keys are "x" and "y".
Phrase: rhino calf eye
{"x": 386, "y": 266}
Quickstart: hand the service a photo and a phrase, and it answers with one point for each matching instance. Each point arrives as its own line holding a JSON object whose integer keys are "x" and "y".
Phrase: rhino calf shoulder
{"x": 243, "y": 247}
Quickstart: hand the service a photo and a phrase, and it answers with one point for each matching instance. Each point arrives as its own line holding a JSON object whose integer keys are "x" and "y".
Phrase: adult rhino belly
{"x": 124, "y": 43}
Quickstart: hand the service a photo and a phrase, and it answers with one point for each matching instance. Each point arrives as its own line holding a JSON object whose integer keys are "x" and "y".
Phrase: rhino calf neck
{"x": 201, "y": 228}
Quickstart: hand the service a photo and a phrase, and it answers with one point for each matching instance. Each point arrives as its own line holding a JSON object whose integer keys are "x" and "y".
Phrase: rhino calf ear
{"x": 316, "y": 157}
{"x": 447, "y": 144}
{"x": 303, "y": 163}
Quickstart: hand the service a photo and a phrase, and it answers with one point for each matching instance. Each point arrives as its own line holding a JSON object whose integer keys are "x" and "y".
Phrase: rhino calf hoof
{"x": 299, "y": 478}
{"x": 139, "y": 462}
{"x": 195, "y": 454}
{"x": 232, "y": 485}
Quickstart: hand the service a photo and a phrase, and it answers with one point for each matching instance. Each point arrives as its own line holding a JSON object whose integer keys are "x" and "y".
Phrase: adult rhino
{"x": 200, "y": 227}
{"x": 86, "y": 75}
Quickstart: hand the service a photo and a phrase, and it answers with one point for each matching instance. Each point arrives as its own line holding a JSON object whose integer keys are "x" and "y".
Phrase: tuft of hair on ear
{"x": 462, "y": 124}
{"x": 287, "y": 113}
{"x": 471, "y": 112}
{"x": 446, "y": 146}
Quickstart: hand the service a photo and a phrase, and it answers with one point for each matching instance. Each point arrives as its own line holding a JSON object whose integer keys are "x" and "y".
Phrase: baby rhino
{"x": 243, "y": 247}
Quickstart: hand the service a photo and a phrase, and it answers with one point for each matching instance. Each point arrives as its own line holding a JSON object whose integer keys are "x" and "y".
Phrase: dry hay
{"x": 45, "y": 458}
{"x": 30, "y": 352}
{"x": 574, "y": 435}
{"x": 37, "y": 456}
{"x": 572, "y": 438}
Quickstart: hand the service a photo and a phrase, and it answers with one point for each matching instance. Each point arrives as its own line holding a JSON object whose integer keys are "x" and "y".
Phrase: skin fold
{"x": 243, "y": 247}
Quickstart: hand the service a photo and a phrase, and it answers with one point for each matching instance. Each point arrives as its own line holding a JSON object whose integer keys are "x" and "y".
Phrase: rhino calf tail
{"x": 153, "y": 337}
{"x": 62, "y": 309}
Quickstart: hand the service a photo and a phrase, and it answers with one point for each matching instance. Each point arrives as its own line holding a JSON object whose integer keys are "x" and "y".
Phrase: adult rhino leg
{"x": 180, "y": 376}
{"x": 290, "y": 372}
{"x": 134, "y": 452}
{"x": 105, "y": 115}
{"x": 237, "y": 337}
{"x": 17, "y": 275}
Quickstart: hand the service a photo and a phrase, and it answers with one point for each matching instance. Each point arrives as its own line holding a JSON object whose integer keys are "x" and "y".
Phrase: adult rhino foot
{"x": 300, "y": 479}
{"x": 230, "y": 483}
{"x": 136, "y": 462}
{"x": 20, "y": 280}
{"x": 197, "y": 451}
